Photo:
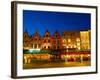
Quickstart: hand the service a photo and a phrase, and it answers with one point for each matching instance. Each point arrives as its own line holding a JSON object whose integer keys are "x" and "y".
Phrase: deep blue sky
{"x": 61, "y": 21}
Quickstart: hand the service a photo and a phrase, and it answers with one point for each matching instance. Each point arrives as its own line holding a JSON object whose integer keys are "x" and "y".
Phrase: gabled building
{"x": 46, "y": 40}
{"x": 56, "y": 41}
{"x": 70, "y": 40}
{"x": 26, "y": 40}
{"x": 36, "y": 41}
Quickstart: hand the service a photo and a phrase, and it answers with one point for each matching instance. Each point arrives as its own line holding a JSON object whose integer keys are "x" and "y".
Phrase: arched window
{"x": 47, "y": 35}
{"x": 48, "y": 47}
{"x": 44, "y": 47}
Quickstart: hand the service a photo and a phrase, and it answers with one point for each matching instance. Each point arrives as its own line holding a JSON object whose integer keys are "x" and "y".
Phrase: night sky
{"x": 54, "y": 21}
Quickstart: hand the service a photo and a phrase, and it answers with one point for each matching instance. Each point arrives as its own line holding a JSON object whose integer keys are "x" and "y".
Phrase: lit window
{"x": 69, "y": 40}
{"x": 74, "y": 46}
{"x": 78, "y": 44}
{"x": 64, "y": 40}
{"x": 77, "y": 39}
{"x": 67, "y": 47}
{"x": 71, "y": 46}
{"x": 79, "y": 48}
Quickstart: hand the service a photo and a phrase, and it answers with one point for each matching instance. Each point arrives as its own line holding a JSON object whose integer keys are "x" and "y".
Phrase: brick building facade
{"x": 75, "y": 40}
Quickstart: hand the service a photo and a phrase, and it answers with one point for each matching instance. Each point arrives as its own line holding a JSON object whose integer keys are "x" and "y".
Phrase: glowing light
{"x": 67, "y": 56}
{"x": 88, "y": 55}
{"x": 74, "y": 46}
{"x": 69, "y": 40}
{"x": 64, "y": 40}
{"x": 77, "y": 39}
{"x": 79, "y": 48}
{"x": 31, "y": 50}
{"x": 26, "y": 47}
{"x": 78, "y": 44}
{"x": 24, "y": 57}
{"x": 71, "y": 46}
{"x": 67, "y": 47}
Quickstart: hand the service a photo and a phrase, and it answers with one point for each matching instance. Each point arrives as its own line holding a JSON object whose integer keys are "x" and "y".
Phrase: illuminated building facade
{"x": 56, "y": 41}
{"x": 26, "y": 41}
{"x": 69, "y": 46}
{"x": 85, "y": 40}
{"x": 46, "y": 41}
{"x": 36, "y": 41}
{"x": 69, "y": 40}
